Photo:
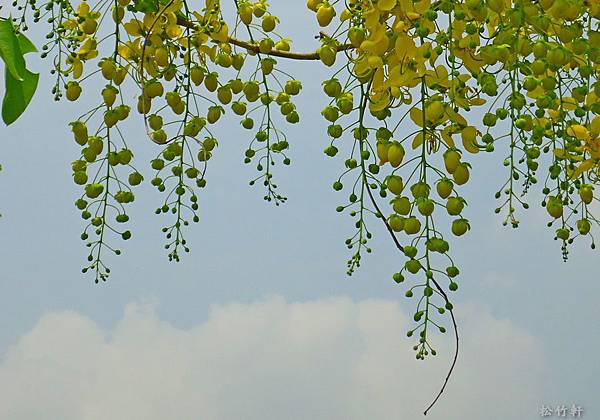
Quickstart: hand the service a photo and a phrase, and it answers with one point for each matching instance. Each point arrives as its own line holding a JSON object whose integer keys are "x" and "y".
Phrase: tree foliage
{"x": 406, "y": 77}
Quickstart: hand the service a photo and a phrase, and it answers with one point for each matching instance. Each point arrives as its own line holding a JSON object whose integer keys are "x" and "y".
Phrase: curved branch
{"x": 439, "y": 289}
{"x": 456, "y": 339}
{"x": 274, "y": 52}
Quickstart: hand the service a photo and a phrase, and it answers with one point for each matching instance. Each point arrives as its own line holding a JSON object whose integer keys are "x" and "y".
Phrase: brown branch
{"x": 274, "y": 52}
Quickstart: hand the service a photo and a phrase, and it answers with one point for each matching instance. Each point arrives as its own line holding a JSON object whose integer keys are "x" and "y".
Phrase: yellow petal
{"x": 570, "y": 104}
{"x": 70, "y": 24}
{"x": 133, "y": 27}
{"x": 447, "y": 137}
{"x": 418, "y": 140}
{"x": 211, "y": 52}
{"x": 222, "y": 34}
{"x": 386, "y": 5}
{"x": 538, "y": 91}
{"x": 377, "y": 43}
{"x": 371, "y": 17}
{"x": 553, "y": 114}
{"x": 471, "y": 61}
{"x": 421, "y": 6}
{"x": 380, "y": 101}
{"x": 579, "y": 131}
{"x": 457, "y": 118}
{"x": 400, "y": 26}
{"x": 416, "y": 115}
{"x": 77, "y": 69}
{"x": 400, "y": 77}
{"x": 405, "y": 46}
{"x": 87, "y": 46}
{"x": 375, "y": 62}
{"x": 585, "y": 166}
{"x": 595, "y": 126}
{"x": 469, "y": 139}
{"x": 378, "y": 78}
{"x": 361, "y": 66}
{"x": 201, "y": 38}
{"x": 173, "y": 31}
{"x": 83, "y": 8}
{"x": 591, "y": 98}
{"x": 478, "y": 101}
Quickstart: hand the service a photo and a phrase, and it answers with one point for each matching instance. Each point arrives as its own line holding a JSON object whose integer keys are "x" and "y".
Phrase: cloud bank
{"x": 325, "y": 359}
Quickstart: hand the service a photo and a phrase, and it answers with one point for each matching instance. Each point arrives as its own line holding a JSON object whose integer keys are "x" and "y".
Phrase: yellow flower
{"x": 437, "y": 77}
{"x": 405, "y": 46}
{"x": 377, "y": 43}
{"x": 592, "y": 146}
{"x": 133, "y": 27}
{"x": 402, "y": 76}
{"x": 83, "y": 8}
{"x": 221, "y": 34}
{"x": 88, "y": 50}
{"x": 131, "y": 50}
{"x": 380, "y": 100}
{"x": 472, "y": 61}
{"x": 173, "y": 31}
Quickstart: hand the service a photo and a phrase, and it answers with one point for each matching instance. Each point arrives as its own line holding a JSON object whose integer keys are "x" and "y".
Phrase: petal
{"x": 584, "y": 167}
{"x": 416, "y": 115}
{"x": 386, "y": 5}
{"x": 418, "y": 140}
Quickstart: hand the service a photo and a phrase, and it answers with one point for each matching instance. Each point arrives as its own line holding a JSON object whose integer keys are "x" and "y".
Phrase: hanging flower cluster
{"x": 417, "y": 88}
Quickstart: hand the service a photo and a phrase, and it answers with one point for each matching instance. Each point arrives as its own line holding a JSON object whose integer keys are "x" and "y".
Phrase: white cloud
{"x": 326, "y": 359}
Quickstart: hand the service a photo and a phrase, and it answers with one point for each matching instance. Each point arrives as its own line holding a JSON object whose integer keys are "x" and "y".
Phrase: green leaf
{"x": 25, "y": 44}
{"x": 10, "y": 50}
{"x": 20, "y": 83}
{"x": 18, "y": 95}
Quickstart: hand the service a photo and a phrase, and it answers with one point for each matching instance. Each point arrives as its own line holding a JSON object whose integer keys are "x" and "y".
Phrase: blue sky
{"x": 262, "y": 307}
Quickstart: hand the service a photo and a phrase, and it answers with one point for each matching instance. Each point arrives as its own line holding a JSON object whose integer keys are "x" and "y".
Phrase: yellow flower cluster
{"x": 82, "y": 29}
{"x": 394, "y": 53}
{"x": 149, "y": 36}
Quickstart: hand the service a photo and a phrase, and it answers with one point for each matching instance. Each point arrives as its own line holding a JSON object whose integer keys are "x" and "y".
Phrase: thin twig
{"x": 455, "y": 352}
